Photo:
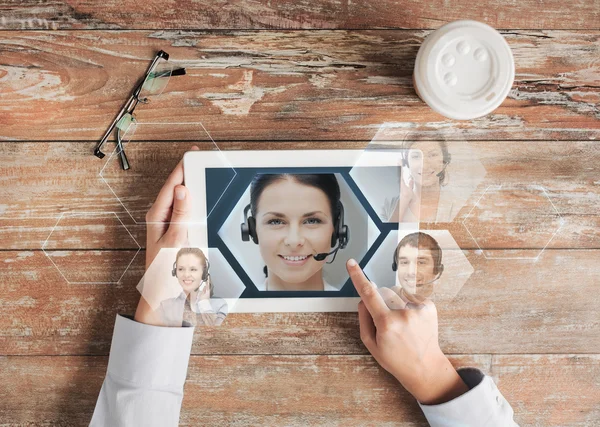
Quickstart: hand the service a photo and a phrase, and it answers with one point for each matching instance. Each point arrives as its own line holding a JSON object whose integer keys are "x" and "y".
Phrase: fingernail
{"x": 351, "y": 262}
{"x": 179, "y": 193}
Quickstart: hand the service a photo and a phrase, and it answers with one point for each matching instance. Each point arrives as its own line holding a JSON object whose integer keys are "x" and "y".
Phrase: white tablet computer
{"x": 280, "y": 225}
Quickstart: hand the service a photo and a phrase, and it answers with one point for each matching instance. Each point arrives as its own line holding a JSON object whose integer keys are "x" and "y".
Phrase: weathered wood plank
{"x": 242, "y": 14}
{"x": 222, "y": 390}
{"x": 551, "y": 390}
{"x": 554, "y": 390}
{"x": 507, "y": 306}
{"x": 265, "y": 85}
{"x": 37, "y": 190}
{"x": 540, "y": 389}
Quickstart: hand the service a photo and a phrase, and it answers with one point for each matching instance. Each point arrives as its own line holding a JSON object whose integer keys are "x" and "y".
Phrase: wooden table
{"x": 282, "y": 74}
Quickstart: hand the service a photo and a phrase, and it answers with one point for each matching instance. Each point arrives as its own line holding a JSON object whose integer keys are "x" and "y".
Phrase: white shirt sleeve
{"x": 147, "y": 368}
{"x": 482, "y": 406}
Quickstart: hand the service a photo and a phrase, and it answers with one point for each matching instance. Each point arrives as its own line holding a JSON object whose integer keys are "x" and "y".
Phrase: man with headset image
{"x": 418, "y": 266}
{"x": 147, "y": 366}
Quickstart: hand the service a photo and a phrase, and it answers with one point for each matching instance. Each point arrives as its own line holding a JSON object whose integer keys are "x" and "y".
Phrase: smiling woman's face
{"x": 189, "y": 271}
{"x": 425, "y": 172}
{"x": 293, "y": 223}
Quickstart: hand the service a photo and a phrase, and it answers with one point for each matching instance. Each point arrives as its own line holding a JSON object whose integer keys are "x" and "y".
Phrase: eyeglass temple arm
{"x": 124, "y": 109}
{"x": 127, "y": 106}
{"x": 122, "y": 155}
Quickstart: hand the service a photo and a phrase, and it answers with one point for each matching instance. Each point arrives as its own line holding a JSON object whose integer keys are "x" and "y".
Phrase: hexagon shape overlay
{"x": 513, "y": 222}
{"x": 81, "y": 246}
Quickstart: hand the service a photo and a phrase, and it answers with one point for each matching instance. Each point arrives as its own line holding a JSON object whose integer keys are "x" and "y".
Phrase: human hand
{"x": 392, "y": 298}
{"x": 202, "y": 307}
{"x": 166, "y": 220}
{"x": 405, "y": 343}
{"x": 409, "y": 193}
{"x": 166, "y": 227}
{"x": 202, "y": 293}
{"x": 410, "y": 197}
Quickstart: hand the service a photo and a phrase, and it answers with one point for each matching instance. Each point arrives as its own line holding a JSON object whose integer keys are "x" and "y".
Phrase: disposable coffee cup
{"x": 464, "y": 70}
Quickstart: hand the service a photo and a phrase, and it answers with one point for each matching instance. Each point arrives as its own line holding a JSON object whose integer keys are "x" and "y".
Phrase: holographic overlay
{"x": 438, "y": 175}
{"x": 121, "y": 182}
{"x": 513, "y": 222}
{"x": 81, "y": 246}
{"x": 415, "y": 265}
{"x": 180, "y": 288}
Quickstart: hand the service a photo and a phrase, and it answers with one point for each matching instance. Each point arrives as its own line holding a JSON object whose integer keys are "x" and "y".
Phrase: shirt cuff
{"x": 149, "y": 356}
{"x": 482, "y": 405}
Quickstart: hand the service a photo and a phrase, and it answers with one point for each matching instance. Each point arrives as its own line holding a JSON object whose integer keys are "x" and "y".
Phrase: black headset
{"x": 205, "y": 273}
{"x": 341, "y": 232}
{"x": 438, "y": 267}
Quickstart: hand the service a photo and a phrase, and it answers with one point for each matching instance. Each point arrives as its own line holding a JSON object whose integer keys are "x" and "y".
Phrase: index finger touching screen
{"x": 368, "y": 292}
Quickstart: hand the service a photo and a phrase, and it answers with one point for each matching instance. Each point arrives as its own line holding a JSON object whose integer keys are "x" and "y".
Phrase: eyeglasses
{"x": 154, "y": 82}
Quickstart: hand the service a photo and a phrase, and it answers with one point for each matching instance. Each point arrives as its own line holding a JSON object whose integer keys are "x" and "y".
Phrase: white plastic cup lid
{"x": 464, "y": 70}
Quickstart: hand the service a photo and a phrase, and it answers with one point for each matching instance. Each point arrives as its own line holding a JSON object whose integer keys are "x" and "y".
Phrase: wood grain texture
{"x": 287, "y": 14}
{"x": 302, "y": 390}
{"x": 224, "y": 390}
{"x": 506, "y": 306}
{"x": 566, "y": 376}
{"x": 301, "y": 85}
{"x": 39, "y": 197}
{"x": 295, "y": 90}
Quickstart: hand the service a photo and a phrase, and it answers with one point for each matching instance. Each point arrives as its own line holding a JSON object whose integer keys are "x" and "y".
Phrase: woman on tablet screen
{"x": 296, "y": 220}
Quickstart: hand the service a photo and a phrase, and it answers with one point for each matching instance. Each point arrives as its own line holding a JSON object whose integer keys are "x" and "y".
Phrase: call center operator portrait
{"x": 148, "y": 363}
{"x": 191, "y": 268}
{"x": 423, "y": 184}
{"x": 417, "y": 262}
{"x": 296, "y": 220}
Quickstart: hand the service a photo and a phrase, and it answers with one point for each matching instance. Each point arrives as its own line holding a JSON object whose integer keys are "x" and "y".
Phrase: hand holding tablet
{"x": 165, "y": 228}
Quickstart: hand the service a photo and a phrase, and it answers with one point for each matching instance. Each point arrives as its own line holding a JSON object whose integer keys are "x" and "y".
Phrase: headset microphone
{"x": 323, "y": 255}
{"x": 437, "y": 277}
{"x": 441, "y": 173}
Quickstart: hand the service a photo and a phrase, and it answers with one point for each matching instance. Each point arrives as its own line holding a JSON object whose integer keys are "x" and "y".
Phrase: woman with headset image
{"x": 191, "y": 268}
{"x": 296, "y": 220}
{"x": 424, "y": 178}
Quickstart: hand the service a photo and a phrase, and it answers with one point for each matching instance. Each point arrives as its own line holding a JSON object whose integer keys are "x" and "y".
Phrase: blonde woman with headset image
{"x": 148, "y": 362}
{"x": 295, "y": 219}
{"x": 424, "y": 178}
{"x": 191, "y": 268}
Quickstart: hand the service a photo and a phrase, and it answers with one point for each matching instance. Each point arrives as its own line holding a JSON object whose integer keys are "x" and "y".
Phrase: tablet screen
{"x": 291, "y": 230}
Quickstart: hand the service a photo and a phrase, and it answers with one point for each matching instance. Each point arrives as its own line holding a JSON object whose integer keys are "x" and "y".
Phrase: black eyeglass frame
{"x": 129, "y": 107}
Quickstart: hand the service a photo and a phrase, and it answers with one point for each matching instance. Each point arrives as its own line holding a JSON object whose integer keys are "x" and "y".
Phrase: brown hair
{"x": 422, "y": 240}
{"x": 198, "y": 252}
